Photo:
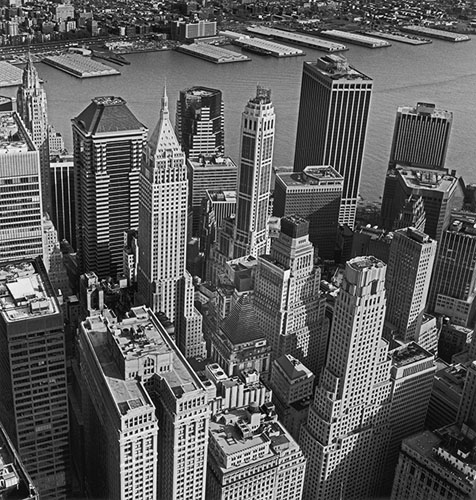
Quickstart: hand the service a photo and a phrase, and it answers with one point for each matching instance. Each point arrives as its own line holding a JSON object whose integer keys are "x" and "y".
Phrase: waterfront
{"x": 441, "y": 72}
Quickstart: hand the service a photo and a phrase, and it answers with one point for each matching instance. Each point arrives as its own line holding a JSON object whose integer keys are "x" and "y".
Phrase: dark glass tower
{"x": 332, "y": 123}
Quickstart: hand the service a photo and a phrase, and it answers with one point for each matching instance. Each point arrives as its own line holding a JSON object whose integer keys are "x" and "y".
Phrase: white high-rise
{"x": 163, "y": 282}
{"x": 346, "y": 436}
{"x": 254, "y": 175}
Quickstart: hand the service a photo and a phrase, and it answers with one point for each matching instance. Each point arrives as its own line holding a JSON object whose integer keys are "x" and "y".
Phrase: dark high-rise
{"x": 199, "y": 123}
{"x": 332, "y": 123}
{"x": 420, "y": 137}
{"x": 108, "y": 141}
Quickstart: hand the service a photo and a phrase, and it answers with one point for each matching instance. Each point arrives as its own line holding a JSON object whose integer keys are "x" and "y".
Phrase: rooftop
{"x": 336, "y": 67}
{"x": 241, "y": 325}
{"x": 201, "y": 92}
{"x": 365, "y": 262}
{"x": 311, "y": 176}
{"x": 222, "y": 196}
{"x": 293, "y": 368}
{"x": 426, "y": 109}
{"x": 14, "y": 137}
{"x": 434, "y": 180}
{"x": 24, "y": 293}
{"x": 408, "y": 354}
{"x": 212, "y": 162}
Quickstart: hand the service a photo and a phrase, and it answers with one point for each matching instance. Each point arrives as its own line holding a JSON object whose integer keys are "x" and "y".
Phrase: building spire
{"x": 164, "y": 111}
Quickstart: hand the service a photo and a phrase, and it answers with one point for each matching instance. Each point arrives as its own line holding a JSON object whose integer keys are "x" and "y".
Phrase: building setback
{"x": 34, "y": 407}
{"x": 332, "y": 124}
{"x": 108, "y": 141}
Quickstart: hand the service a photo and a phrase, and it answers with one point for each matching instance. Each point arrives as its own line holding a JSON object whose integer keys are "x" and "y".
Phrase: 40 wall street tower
{"x": 332, "y": 123}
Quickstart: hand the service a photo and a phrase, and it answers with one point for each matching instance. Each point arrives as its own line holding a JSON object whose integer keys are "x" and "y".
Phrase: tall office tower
{"x": 452, "y": 289}
{"x": 314, "y": 194}
{"x": 421, "y": 136}
{"x": 108, "y": 141}
{"x": 32, "y": 107}
{"x": 21, "y": 217}
{"x": 412, "y": 373}
{"x": 412, "y": 214}
{"x": 293, "y": 385}
{"x": 63, "y": 208}
{"x": 346, "y": 436}
{"x": 129, "y": 367}
{"x": 332, "y": 123}
{"x": 253, "y": 456}
{"x": 34, "y": 402}
{"x": 453, "y": 339}
{"x": 254, "y": 175}
{"x": 441, "y": 192}
{"x": 438, "y": 465}
{"x": 199, "y": 122}
{"x": 162, "y": 279}
{"x": 467, "y": 409}
{"x": 214, "y": 174}
{"x": 289, "y": 307}
{"x": 412, "y": 254}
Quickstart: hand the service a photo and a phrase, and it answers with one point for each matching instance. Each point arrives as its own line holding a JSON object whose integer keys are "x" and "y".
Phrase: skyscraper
{"x": 410, "y": 264}
{"x": 32, "y": 107}
{"x": 199, "y": 122}
{"x": 347, "y": 433}
{"x": 254, "y": 175}
{"x": 108, "y": 141}
{"x": 314, "y": 194}
{"x": 163, "y": 282}
{"x": 289, "y": 307}
{"x": 21, "y": 216}
{"x": 452, "y": 289}
{"x": 421, "y": 136}
{"x": 332, "y": 123}
{"x": 34, "y": 403}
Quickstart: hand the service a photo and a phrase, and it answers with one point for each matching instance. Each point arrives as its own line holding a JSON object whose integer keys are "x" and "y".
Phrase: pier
{"x": 399, "y": 37}
{"x": 212, "y": 53}
{"x": 448, "y": 36}
{"x": 355, "y": 38}
{"x": 10, "y": 75}
{"x": 297, "y": 38}
{"x": 265, "y": 47}
{"x": 80, "y": 66}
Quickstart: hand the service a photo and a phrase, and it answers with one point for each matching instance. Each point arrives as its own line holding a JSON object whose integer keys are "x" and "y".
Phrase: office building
{"x": 412, "y": 214}
{"x": 454, "y": 277}
{"x": 289, "y": 306}
{"x": 314, "y": 194}
{"x": 412, "y": 374}
{"x": 345, "y": 444}
{"x": 332, "y": 124}
{"x": 108, "y": 141}
{"x": 454, "y": 339}
{"x": 63, "y": 208}
{"x": 199, "y": 123}
{"x": 146, "y": 412}
{"x": 441, "y": 192}
{"x": 421, "y": 136}
{"x": 252, "y": 456}
{"x": 32, "y": 107}
{"x": 437, "y": 464}
{"x": 184, "y": 31}
{"x": 368, "y": 240}
{"x": 410, "y": 264}
{"x": 162, "y": 280}
{"x": 293, "y": 386}
{"x": 212, "y": 174}
{"x": 258, "y": 123}
{"x": 21, "y": 217}
{"x": 55, "y": 141}
{"x": 15, "y": 482}
{"x": 34, "y": 407}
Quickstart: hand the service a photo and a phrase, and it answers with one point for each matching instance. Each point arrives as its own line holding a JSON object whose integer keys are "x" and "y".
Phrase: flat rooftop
{"x": 24, "y": 294}
{"x": 211, "y": 163}
{"x": 365, "y": 262}
{"x": 324, "y": 175}
{"x": 13, "y": 135}
{"x": 10, "y": 75}
{"x": 425, "y": 109}
{"x": 433, "y": 180}
{"x": 408, "y": 354}
{"x": 336, "y": 67}
{"x": 222, "y": 196}
{"x": 201, "y": 92}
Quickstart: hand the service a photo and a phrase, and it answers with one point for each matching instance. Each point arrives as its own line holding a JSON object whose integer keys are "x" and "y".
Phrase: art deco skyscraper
{"x": 21, "y": 215}
{"x": 420, "y": 137}
{"x": 108, "y": 141}
{"x": 254, "y": 175}
{"x": 332, "y": 124}
{"x": 347, "y": 432}
{"x": 287, "y": 300}
{"x": 32, "y": 107}
{"x": 34, "y": 401}
{"x": 410, "y": 264}
{"x": 163, "y": 282}
{"x": 199, "y": 122}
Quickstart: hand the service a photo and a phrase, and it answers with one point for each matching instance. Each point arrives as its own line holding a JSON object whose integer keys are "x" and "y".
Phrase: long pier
{"x": 212, "y": 53}
{"x": 263, "y": 47}
{"x": 80, "y": 66}
{"x": 355, "y": 38}
{"x": 399, "y": 37}
{"x": 448, "y": 36}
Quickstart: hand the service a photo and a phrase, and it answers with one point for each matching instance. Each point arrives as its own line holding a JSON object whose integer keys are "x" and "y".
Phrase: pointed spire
{"x": 30, "y": 75}
{"x": 164, "y": 111}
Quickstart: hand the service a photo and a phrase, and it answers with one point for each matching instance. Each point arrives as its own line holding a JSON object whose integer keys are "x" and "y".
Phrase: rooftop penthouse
{"x": 323, "y": 175}
{"x": 410, "y": 354}
{"x": 434, "y": 180}
{"x": 425, "y": 109}
{"x": 222, "y": 196}
{"x": 25, "y": 292}
{"x": 336, "y": 67}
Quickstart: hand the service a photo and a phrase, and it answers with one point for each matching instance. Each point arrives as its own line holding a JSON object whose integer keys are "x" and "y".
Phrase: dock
{"x": 297, "y": 38}
{"x": 399, "y": 37}
{"x": 448, "y": 36}
{"x": 355, "y": 38}
{"x": 265, "y": 47}
{"x": 212, "y": 53}
{"x": 10, "y": 75}
{"x": 80, "y": 66}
